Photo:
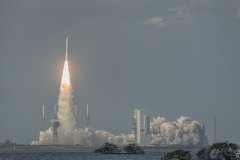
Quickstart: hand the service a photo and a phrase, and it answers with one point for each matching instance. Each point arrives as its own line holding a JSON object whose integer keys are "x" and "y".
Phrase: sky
{"x": 173, "y": 58}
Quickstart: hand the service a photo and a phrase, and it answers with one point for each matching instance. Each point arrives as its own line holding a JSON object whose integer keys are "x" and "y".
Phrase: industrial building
{"x": 142, "y": 127}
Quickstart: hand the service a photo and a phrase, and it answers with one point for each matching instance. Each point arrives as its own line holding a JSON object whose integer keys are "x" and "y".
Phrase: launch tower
{"x": 142, "y": 126}
{"x": 56, "y": 124}
{"x": 43, "y": 119}
{"x": 88, "y": 119}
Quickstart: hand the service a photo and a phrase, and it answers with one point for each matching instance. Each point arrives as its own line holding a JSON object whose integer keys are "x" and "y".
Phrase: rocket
{"x": 66, "y": 54}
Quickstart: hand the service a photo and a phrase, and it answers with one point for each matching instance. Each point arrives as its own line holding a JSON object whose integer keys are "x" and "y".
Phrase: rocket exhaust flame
{"x": 65, "y": 75}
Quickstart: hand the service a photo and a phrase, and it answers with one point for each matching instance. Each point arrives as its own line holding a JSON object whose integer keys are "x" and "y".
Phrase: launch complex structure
{"x": 55, "y": 121}
{"x": 141, "y": 118}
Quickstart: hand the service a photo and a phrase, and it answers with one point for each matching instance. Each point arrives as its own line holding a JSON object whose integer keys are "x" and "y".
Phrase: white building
{"x": 143, "y": 126}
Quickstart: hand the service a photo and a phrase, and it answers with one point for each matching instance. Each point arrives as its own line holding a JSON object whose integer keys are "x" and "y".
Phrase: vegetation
{"x": 133, "y": 149}
{"x": 204, "y": 154}
{"x": 178, "y": 154}
{"x": 221, "y": 150}
{"x": 108, "y": 148}
{"x": 6, "y": 143}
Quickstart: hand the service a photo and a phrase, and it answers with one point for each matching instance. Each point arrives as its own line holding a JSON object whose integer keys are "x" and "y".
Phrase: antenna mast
{"x": 88, "y": 119}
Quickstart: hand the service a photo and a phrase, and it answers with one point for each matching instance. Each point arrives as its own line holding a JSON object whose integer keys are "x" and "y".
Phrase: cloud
{"x": 185, "y": 13}
{"x": 155, "y": 21}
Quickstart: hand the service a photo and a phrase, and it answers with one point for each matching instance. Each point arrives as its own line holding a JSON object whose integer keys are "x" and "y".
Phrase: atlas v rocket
{"x": 66, "y": 54}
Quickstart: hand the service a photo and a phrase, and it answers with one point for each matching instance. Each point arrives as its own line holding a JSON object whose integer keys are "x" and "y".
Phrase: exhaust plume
{"x": 182, "y": 132}
{"x": 66, "y": 115}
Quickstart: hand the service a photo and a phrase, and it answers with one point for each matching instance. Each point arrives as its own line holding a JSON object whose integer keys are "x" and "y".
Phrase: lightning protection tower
{"x": 88, "y": 119}
{"x": 135, "y": 128}
{"x": 56, "y": 124}
{"x": 215, "y": 129}
{"x": 76, "y": 115}
{"x": 43, "y": 119}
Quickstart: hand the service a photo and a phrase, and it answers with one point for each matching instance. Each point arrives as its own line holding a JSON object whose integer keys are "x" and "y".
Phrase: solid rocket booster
{"x": 66, "y": 54}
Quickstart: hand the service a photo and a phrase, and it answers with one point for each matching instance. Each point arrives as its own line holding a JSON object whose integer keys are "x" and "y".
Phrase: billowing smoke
{"x": 85, "y": 136}
{"x": 184, "y": 131}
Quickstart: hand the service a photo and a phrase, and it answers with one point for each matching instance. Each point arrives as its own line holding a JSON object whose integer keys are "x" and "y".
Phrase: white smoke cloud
{"x": 155, "y": 21}
{"x": 85, "y": 136}
{"x": 182, "y": 132}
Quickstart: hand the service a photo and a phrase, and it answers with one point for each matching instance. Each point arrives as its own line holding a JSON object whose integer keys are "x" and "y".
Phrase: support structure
{"x": 142, "y": 126}
{"x": 43, "y": 119}
{"x": 55, "y": 126}
{"x": 76, "y": 115}
{"x": 88, "y": 119}
{"x": 215, "y": 129}
{"x": 14, "y": 143}
{"x": 135, "y": 129}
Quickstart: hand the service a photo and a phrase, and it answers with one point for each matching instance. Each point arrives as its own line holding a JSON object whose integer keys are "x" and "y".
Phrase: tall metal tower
{"x": 56, "y": 124}
{"x": 14, "y": 144}
{"x": 88, "y": 119}
{"x": 135, "y": 129}
{"x": 76, "y": 115}
{"x": 43, "y": 119}
{"x": 215, "y": 129}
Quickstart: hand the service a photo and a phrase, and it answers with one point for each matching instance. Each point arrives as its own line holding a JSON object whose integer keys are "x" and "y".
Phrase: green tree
{"x": 224, "y": 150}
{"x": 178, "y": 154}
{"x": 7, "y": 142}
{"x": 133, "y": 149}
{"x": 107, "y": 148}
{"x": 204, "y": 154}
{"x": 218, "y": 151}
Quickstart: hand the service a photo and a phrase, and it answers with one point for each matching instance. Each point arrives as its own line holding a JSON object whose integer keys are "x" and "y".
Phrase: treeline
{"x": 216, "y": 151}
{"x": 109, "y": 148}
{"x": 7, "y": 143}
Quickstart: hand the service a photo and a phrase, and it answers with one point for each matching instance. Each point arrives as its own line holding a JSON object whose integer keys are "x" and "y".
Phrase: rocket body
{"x": 66, "y": 54}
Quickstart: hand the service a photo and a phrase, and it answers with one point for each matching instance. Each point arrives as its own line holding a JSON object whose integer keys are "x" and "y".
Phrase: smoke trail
{"x": 65, "y": 111}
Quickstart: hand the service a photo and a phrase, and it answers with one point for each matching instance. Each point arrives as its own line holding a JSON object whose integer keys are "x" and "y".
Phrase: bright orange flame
{"x": 66, "y": 75}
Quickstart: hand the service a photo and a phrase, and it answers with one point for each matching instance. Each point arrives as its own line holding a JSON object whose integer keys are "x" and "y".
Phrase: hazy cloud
{"x": 185, "y": 12}
{"x": 155, "y": 21}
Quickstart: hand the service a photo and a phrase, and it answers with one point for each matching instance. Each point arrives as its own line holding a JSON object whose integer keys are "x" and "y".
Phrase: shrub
{"x": 204, "y": 154}
{"x": 178, "y": 154}
{"x": 220, "y": 150}
{"x": 133, "y": 149}
{"x": 107, "y": 148}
